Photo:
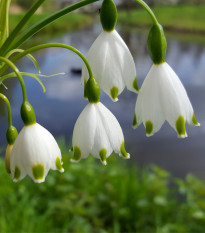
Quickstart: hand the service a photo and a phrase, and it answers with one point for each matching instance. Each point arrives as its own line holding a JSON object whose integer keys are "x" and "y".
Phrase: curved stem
{"x": 15, "y": 69}
{"x": 8, "y": 108}
{"x": 148, "y": 9}
{"x": 41, "y": 24}
{"x": 43, "y": 46}
{"x": 20, "y": 25}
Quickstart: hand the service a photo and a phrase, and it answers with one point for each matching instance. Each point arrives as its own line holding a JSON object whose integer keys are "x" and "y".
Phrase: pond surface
{"x": 58, "y": 108}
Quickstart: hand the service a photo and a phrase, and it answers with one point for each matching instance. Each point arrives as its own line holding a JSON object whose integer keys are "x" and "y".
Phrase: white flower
{"x": 112, "y": 64}
{"x": 35, "y": 151}
{"x": 97, "y": 132}
{"x": 163, "y": 97}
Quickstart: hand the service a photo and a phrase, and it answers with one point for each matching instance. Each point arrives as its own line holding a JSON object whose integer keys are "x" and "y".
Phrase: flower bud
{"x": 92, "y": 90}
{"x": 27, "y": 113}
{"x": 11, "y": 135}
{"x": 157, "y": 44}
{"x": 108, "y": 15}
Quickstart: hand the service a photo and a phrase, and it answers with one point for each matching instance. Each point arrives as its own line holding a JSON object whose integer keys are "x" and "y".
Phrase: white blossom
{"x": 97, "y": 133}
{"x": 163, "y": 97}
{"x": 112, "y": 65}
{"x": 35, "y": 151}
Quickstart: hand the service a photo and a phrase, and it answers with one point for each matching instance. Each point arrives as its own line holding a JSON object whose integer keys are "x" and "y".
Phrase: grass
{"x": 67, "y": 23}
{"x": 89, "y": 197}
{"x": 189, "y": 19}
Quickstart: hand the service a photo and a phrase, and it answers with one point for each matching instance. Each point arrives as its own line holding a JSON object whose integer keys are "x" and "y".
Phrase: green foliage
{"x": 178, "y": 18}
{"x": 68, "y": 22}
{"x": 90, "y": 197}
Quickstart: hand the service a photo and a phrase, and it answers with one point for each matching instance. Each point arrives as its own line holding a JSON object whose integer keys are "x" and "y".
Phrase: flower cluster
{"x": 97, "y": 132}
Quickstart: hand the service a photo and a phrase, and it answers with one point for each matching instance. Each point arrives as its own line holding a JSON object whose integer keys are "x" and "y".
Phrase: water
{"x": 58, "y": 108}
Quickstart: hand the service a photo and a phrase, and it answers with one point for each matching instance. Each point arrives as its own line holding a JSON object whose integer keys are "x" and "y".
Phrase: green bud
{"x": 27, "y": 113}
{"x": 108, "y": 15}
{"x": 92, "y": 90}
{"x": 11, "y": 135}
{"x": 157, "y": 44}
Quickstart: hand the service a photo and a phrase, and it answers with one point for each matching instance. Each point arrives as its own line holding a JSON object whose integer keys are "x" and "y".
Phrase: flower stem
{"x": 15, "y": 69}
{"x": 8, "y": 108}
{"x": 43, "y": 46}
{"x": 150, "y": 12}
{"x": 41, "y": 24}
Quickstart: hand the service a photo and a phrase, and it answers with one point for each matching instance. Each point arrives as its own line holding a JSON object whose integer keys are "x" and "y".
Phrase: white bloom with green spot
{"x": 112, "y": 65}
{"x": 35, "y": 151}
{"x": 97, "y": 133}
{"x": 163, "y": 97}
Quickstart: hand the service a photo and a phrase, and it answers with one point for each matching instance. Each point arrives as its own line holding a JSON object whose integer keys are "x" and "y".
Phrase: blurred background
{"x": 161, "y": 188}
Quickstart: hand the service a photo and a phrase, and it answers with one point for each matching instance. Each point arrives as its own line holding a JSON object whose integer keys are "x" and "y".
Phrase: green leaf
{"x": 4, "y": 20}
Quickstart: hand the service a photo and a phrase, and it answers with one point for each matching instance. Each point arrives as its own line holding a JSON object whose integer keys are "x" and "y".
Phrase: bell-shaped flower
{"x": 34, "y": 152}
{"x": 97, "y": 133}
{"x": 112, "y": 65}
{"x": 163, "y": 97}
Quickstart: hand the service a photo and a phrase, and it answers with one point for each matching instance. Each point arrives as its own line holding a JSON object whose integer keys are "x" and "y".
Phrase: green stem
{"x": 150, "y": 12}
{"x": 20, "y": 25}
{"x": 15, "y": 69}
{"x": 43, "y": 46}
{"x": 41, "y": 24}
{"x": 8, "y": 108}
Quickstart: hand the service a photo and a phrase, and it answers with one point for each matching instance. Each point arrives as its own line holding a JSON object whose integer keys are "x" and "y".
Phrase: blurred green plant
{"x": 91, "y": 198}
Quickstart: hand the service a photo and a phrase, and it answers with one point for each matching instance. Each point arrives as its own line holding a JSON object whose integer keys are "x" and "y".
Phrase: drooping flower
{"x": 112, "y": 64}
{"x": 163, "y": 97}
{"x": 97, "y": 133}
{"x": 34, "y": 152}
{"x": 109, "y": 57}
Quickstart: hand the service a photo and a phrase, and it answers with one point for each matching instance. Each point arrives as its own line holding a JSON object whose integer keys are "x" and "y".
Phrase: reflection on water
{"x": 59, "y": 107}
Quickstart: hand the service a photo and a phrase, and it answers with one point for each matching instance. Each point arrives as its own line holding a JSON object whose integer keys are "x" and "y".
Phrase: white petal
{"x": 184, "y": 106}
{"x": 84, "y": 130}
{"x": 101, "y": 140}
{"x": 126, "y": 61}
{"x": 174, "y": 99}
{"x": 34, "y": 149}
{"x": 112, "y": 127}
{"x": 148, "y": 106}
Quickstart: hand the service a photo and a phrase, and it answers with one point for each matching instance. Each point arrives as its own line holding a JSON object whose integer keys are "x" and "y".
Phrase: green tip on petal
{"x": 149, "y": 128}
{"x": 59, "y": 164}
{"x": 180, "y": 127}
{"x": 38, "y": 172}
{"x": 114, "y": 93}
{"x": 102, "y": 154}
{"x": 77, "y": 154}
{"x": 134, "y": 123}
{"x": 194, "y": 121}
{"x": 135, "y": 85}
{"x": 17, "y": 173}
{"x": 124, "y": 152}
